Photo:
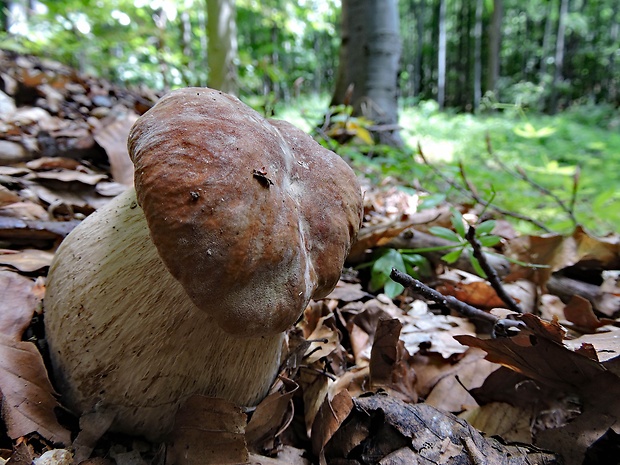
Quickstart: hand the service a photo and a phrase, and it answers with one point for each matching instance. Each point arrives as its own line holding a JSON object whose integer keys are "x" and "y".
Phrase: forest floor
{"x": 522, "y": 367}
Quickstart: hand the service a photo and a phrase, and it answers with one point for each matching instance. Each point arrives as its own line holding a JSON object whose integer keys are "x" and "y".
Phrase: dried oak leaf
{"x": 28, "y": 398}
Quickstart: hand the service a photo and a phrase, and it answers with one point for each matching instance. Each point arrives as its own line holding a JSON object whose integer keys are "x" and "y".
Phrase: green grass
{"x": 548, "y": 149}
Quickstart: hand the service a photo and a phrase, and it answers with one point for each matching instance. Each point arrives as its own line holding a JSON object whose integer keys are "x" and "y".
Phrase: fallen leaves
{"x": 366, "y": 379}
{"x": 28, "y": 399}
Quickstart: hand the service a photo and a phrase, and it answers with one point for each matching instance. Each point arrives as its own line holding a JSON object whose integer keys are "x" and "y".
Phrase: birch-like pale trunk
{"x": 369, "y": 62}
{"x": 222, "y": 48}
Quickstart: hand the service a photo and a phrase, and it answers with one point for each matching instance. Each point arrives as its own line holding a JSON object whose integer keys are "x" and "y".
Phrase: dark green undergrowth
{"x": 522, "y": 162}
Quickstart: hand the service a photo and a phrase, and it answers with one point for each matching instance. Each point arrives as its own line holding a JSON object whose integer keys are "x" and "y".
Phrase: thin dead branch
{"x": 492, "y": 276}
{"x": 501, "y": 326}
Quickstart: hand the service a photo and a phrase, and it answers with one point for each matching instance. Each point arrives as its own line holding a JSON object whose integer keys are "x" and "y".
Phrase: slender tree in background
{"x": 478, "y": 55}
{"x": 369, "y": 64}
{"x": 495, "y": 42}
{"x": 222, "y": 48}
{"x": 559, "y": 57}
{"x": 442, "y": 55}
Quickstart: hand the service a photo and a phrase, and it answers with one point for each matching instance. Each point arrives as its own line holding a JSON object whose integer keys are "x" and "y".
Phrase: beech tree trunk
{"x": 369, "y": 64}
{"x": 442, "y": 55}
{"x": 222, "y": 49}
{"x": 478, "y": 55}
{"x": 495, "y": 40}
{"x": 559, "y": 57}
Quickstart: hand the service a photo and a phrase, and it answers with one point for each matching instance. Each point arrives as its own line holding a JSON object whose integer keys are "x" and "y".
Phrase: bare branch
{"x": 492, "y": 276}
{"x": 500, "y": 326}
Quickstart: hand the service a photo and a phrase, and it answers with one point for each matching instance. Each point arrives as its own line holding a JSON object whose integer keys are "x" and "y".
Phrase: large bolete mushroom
{"x": 186, "y": 284}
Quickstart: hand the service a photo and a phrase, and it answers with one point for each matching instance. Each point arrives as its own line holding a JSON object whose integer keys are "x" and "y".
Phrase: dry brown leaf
{"x": 28, "y": 399}
{"x": 27, "y": 260}
{"x": 112, "y": 136}
{"x": 7, "y": 197}
{"x": 558, "y": 252}
{"x": 537, "y": 352}
{"x": 331, "y": 415}
{"x": 68, "y": 176}
{"x": 325, "y": 340}
{"x": 348, "y": 292}
{"x": 579, "y": 312}
{"x": 600, "y": 413}
{"x": 500, "y": 419}
{"x": 315, "y": 388}
{"x": 451, "y": 392}
{"x": 470, "y": 289}
{"x": 606, "y": 344}
{"x": 25, "y": 210}
{"x": 207, "y": 431}
{"x": 270, "y": 415}
{"x": 55, "y": 163}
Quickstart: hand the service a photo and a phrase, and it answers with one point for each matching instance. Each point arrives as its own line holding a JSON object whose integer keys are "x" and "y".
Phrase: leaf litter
{"x": 365, "y": 378}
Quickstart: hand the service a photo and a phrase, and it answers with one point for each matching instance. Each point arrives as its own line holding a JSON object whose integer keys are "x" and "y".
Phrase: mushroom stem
{"x": 115, "y": 318}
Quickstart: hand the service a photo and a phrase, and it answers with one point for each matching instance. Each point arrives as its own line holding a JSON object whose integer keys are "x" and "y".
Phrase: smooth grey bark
{"x": 478, "y": 55}
{"x": 369, "y": 64}
{"x": 222, "y": 48}
{"x": 546, "y": 44}
{"x": 559, "y": 57}
{"x": 495, "y": 45}
{"x": 441, "y": 56}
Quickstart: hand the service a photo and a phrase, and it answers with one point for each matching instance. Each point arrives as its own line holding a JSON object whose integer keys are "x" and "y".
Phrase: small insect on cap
{"x": 252, "y": 216}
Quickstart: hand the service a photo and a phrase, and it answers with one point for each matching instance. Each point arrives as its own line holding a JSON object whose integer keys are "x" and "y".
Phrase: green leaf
{"x": 489, "y": 241}
{"x": 485, "y": 227}
{"x": 477, "y": 268}
{"x": 445, "y": 233}
{"x": 393, "y": 289}
{"x": 382, "y": 267}
{"x": 432, "y": 201}
{"x": 458, "y": 222}
{"x": 453, "y": 256}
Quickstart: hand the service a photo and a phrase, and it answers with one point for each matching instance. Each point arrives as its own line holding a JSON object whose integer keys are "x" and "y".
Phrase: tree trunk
{"x": 611, "y": 82}
{"x": 478, "y": 55}
{"x": 222, "y": 51}
{"x": 546, "y": 44}
{"x": 418, "y": 76}
{"x": 369, "y": 62}
{"x": 495, "y": 40}
{"x": 559, "y": 57}
{"x": 441, "y": 56}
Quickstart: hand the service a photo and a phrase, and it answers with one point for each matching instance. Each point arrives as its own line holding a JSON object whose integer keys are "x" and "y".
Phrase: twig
{"x": 500, "y": 325}
{"x": 474, "y": 195}
{"x": 520, "y": 173}
{"x": 492, "y": 276}
{"x": 477, "y": 198}
{"x": 573, "y": 197}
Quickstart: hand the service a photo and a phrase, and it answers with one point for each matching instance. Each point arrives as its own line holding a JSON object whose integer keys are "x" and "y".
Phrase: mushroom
{"x": 187, "y": 284}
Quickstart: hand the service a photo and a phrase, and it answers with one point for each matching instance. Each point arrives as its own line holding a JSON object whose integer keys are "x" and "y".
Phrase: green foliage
{"x": 553, "y": 151}
{"x": 386, "y": 259}
{"x": 461, "y": 244}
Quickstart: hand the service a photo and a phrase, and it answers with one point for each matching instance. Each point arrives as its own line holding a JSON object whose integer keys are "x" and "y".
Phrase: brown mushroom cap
{"x": 251, "y": 216}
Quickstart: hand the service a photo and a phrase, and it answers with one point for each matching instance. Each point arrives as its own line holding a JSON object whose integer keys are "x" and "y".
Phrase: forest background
{"x": 502, "y": 95}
